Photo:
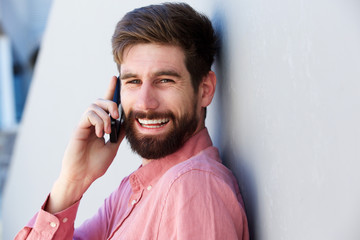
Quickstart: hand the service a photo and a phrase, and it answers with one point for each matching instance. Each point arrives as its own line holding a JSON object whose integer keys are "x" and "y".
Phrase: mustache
{"x": 150, "y": 115}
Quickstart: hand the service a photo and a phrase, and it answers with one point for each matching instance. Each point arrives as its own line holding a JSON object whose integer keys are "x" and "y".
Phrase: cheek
{"x": 185, "y": 104}
{"x": 126, "y": 102}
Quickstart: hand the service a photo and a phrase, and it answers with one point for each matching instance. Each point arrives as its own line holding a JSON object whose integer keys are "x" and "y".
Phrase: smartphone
{"x": 115, "y": 124}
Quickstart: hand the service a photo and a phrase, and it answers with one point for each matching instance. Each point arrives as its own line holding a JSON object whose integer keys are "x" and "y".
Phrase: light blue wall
{"x": 24, "y": 22}
{"x": 7, "y": 105}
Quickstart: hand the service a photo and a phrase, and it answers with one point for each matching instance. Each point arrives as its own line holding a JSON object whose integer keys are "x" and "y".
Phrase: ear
{"x": 207, "y": 89}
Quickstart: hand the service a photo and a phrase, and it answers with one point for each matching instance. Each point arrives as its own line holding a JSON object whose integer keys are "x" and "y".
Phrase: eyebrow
{"x": 167, "y": 73}
{"x": 156, "y": 74}
{"x": 127, "y": 76}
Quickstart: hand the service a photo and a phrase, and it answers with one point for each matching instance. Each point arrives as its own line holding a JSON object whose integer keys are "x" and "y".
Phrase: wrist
{"x": 63, "y": 195}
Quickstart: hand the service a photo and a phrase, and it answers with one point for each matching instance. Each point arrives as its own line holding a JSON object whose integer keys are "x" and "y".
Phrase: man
{"x": 182, "y": 191}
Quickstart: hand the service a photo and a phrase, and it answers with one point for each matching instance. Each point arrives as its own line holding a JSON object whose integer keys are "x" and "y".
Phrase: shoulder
{"x": 202, "y": 174}
{"x": 205, "y": 164}
{"x": 202, "y": 190}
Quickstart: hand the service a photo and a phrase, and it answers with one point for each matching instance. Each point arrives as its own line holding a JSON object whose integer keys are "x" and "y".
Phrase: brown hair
{"x": 174, "y": 24}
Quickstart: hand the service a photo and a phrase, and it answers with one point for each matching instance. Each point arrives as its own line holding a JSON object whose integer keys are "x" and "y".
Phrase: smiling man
{"x": 181, "y": 191}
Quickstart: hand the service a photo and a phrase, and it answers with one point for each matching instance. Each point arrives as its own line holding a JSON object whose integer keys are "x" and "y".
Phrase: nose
{"x": 147, "y": 98}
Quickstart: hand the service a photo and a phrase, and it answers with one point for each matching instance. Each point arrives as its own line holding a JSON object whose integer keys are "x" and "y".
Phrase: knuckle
{"x": 89, "y": 113}
{"x": 92, "y": 106}
{"x": 99, "y": 100}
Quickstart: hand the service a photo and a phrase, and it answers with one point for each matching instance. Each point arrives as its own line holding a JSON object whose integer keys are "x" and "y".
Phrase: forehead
{"x": 152, "y": 57}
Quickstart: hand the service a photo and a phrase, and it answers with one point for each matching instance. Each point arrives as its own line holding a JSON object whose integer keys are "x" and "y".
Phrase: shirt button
{"x": 133, "y": 202}
{"x": 65, "y": 220}
{"x": 149, "y": 187}
{"x": 53, "y": 224}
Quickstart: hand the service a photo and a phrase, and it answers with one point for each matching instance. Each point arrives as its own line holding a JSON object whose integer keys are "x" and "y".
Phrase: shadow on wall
{"x": 228, "y": 149}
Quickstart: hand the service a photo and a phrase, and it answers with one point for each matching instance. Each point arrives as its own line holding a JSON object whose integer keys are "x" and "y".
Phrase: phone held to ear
{"x": 115, "y": 124}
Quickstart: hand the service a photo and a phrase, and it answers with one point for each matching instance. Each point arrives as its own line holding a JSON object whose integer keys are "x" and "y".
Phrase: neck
{"x": 146, "y": 161}
{"x": 198, "y": 129}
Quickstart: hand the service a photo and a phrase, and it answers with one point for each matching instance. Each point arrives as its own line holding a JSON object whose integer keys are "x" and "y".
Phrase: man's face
{"x": 161, "y": 109}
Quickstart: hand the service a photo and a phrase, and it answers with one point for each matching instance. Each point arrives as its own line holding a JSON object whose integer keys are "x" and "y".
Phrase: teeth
{"x": 152, "y": 126}
{"x": 153, "y": 121}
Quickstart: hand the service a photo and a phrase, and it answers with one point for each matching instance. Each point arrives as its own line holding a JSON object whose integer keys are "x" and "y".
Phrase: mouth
{"x": 153, "y": 123}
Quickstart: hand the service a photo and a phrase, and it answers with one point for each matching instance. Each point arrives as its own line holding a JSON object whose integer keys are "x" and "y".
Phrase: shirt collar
{"x": 152, "y": 171}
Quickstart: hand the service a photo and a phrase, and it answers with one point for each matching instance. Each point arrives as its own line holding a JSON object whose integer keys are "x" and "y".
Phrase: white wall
{"x": 286, "y": 112}
{"x": 291, "y": 113}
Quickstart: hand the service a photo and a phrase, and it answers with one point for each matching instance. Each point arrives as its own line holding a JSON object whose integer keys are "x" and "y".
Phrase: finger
{"x": 111, "y": 89}
{"x": 97, "y": 122}
{"x": 102, "y": 115}
{"x": 120, "y": 138}
{"x": 108, "y": 106}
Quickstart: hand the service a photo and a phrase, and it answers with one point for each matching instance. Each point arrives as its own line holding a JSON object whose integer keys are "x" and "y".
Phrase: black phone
{"x": 115, "y": 124}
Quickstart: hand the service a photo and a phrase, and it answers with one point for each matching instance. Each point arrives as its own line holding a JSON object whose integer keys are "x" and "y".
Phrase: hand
{"x": 87, "y": 156}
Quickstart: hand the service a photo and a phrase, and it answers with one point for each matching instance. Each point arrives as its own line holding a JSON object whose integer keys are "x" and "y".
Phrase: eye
{"x": 165, "y": 80}
{"x": 134, "y": 81}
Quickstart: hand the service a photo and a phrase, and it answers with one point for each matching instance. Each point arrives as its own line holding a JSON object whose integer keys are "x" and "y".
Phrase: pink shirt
{"x": 186, "y": 195}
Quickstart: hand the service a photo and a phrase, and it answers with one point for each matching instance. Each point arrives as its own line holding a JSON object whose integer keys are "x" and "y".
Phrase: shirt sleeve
{"x": 201, "y": 205}
{"x": 48, "y": 226}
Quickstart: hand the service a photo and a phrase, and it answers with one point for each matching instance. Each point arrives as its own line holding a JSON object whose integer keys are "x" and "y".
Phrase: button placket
{"x": 136, "y": 198}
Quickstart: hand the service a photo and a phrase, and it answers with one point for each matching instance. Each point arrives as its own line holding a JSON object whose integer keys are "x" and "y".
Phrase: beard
{"x": 158, "y": 146}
